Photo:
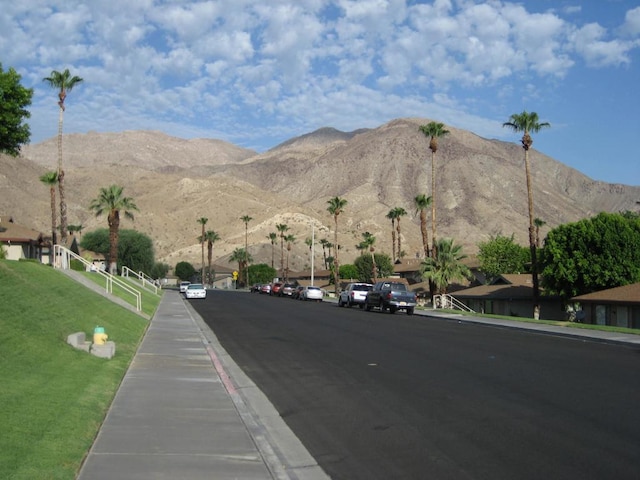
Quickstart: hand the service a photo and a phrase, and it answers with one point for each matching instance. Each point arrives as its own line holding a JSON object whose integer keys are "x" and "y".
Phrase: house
{"x": 619, "y": 306}
{"x": 20, "y": 242}
{"x": 511, "y": 295}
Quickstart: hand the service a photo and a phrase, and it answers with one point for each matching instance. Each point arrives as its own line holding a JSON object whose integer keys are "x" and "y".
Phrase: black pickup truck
{"x": 393, "y": 296}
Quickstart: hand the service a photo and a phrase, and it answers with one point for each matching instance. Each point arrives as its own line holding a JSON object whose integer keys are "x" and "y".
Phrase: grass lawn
{"x": 54, "y": 397}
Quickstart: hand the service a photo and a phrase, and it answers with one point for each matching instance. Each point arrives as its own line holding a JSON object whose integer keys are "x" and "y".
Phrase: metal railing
{"x": 62, "y": 260}
{"x": 446, "y": 301}
{"x": 147, "y": 282}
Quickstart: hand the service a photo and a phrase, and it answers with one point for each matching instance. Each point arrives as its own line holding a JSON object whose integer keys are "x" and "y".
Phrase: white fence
{"x": 446, "y": 301}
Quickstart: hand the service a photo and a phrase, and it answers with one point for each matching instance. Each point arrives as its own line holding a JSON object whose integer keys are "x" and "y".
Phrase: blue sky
{"x": 256, "y": 73}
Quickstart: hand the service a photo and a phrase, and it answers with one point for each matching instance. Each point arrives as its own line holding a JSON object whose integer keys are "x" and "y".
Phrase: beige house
{"x": 619, "y": 307}
{"x": 20, "y": 242}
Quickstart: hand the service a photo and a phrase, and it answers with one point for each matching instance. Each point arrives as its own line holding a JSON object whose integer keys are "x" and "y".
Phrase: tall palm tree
{"x": 64, "y": 82}
{"x": 246, "y": 219}
{"x": 290, "y": 239}
{"x": 241, "y": 256}
{"x": 400, "y": 212}
{"x": 422, "y": 203}
{"x": 202, "y": 221}
{"x": 392, "y": 215}
{"x": 335, "y": 208}
{"x": 538, "y": 222}
{"x": 529, "y": 123}
{"x": 324, "y": 243}
{"x": 51, "y": 180}
{"x": 446, "y": 266}
{"x": 282, "y": 229}
{"x": 367, "y": 243}
{"x": 273, "y": 236}
{"x": 210, "y": 237}
{"x": 434, "y": 131}
{"x": 111, "y": 201}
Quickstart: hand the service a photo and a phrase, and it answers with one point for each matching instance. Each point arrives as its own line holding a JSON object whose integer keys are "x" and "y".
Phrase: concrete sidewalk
{"x": 185, "y": 410}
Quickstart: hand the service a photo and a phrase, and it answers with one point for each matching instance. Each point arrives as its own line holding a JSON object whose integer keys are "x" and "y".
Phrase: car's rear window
{"x": 364, "y": 288}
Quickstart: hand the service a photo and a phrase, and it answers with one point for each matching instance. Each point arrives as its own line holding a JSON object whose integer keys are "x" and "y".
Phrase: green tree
{"x": 434, "y": 131}
{"x": 367, "y": 244}
{"x": 349, "y": 271}
{"x": 400, "y": 212}
{"x": 273, "y": 237}
{"x": 185, "y": 271}
{"x": 202, "y": 221}
{"x": 422, "y": 203}
{"x": 446, "y": 266}
{"x": 335, "y": 208}
{"x": 135, "y": 249}
{"x": 262, "y": 273}
{"x": 291, "y": 240}
{"x": 392, "y": 215}
{"x": 324, "y": 242}
{"x": 365, "y": 265}
{"x": 537, "y": 222}
{"x": 590, "y": 255}
{"x": 210, "y": 237}
{"x": 282, "y": 229}
{"x": 243, "y": 258}
{"x": 159, "y": 270}
{"x": 529, "y": 123}
{"x": 63, "y": 82}
{"x": 111, "y": 201}
{"x": 51, "y": 180}
{"x": 500, "y": 255}
{"x": 14, "y": 100}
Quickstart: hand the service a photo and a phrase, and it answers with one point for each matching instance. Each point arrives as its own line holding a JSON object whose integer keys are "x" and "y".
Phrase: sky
{"x": 257, "y": 73}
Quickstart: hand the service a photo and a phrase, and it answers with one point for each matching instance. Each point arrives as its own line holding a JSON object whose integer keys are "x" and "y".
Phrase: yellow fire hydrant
{"x": 99, "y": 337}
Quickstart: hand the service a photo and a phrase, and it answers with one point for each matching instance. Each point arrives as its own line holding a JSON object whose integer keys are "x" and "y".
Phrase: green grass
{"x": 53, "y": 397}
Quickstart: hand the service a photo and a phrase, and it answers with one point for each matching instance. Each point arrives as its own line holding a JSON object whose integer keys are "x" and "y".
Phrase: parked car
{"x": 183, "y": 286}
{"x": 256, "y": 288}
{"x": 287, "y": 289}
{"x": 311, "y": 293}
{"x": 393, "y": 296}
{"x": 275, "y": 288}
{"x": 266, "y": 288}
{"x": 196, "y": 290}
{"x": 354, "y": 294}
{"x": 296, "y": 292}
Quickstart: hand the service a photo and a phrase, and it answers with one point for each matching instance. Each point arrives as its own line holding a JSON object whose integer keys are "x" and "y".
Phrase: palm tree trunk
{"x": 209, "y": 258}
{"x": 532, "y": 240}
{"x": 54, "y": 234}
{"x": 336, "y": 263}
{"x": 423, "y": 231}
{"x": 393, "y": 240}
{"x": 114, "y": 225}
{"x": 433, "y": 203}
{"x": 399, "y": 239}
{"x": 63, "y": 202}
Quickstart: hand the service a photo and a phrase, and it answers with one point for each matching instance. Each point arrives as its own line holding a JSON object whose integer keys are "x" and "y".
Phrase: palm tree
{"x": 367, "y": 243}
{"x": 336, "y": 205}
{"x": 241, "y": 256}
{"x": 246, "y": 219}
{"x": 64, "y": 83}
{"x": 446, "y": 266}
{"x": 51, "y": 179}
{"x": 210, "y": 237}
{"x": 282, "y": 228}
{"x": 273, "y": 236}
{"x": 422, "y": 203}
{"x": 392, "y": 215}
{"x": 400, "y": 212}
{"x": 434, "y": 130}
{"x": 290, "y": 239}
{"x": 324, "y": 243}
{"x": 538, "y": 222}
{"x": 111, "y": 202}
{"x": 202, "y": 221}
{"x": 529, "y": 123}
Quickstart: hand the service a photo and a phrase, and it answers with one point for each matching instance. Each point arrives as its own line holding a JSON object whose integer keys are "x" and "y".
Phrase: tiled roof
{"x": 12, "y": 232}
{"x": 625, "y": 294}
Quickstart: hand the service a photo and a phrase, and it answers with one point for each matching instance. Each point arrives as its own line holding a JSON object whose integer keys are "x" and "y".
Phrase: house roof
{"x": 626, "y": 294}
{"x": 13, "y": 232}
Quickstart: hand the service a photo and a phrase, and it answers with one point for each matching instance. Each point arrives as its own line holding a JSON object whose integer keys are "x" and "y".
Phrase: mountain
{"x": 480, "y": 189}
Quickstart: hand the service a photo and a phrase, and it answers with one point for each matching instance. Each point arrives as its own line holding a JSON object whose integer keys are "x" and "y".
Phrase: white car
{"x": 196, "y": 290}
{"x": 311, "y": 293}
{"x": 183, "y": 286}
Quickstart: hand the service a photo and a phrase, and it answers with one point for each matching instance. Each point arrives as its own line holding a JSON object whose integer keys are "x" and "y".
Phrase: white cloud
{"x": 631, "y": 26}
{"x": 588, "y": 42}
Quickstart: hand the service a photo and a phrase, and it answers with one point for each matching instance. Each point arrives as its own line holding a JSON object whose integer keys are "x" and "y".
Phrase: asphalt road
{"x": 379, "y": 396}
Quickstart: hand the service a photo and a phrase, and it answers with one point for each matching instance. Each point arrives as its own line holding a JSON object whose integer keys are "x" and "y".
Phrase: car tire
{"x": 367, "y": 307}
{"x": 410, "y": 311}
{"x": 340, "y": 304}
{"x": 392, "y": 309}
{"x": 361, "y": 306}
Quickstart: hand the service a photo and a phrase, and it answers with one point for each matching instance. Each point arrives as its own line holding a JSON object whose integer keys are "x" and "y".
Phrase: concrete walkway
{"x": 185, "y": 411}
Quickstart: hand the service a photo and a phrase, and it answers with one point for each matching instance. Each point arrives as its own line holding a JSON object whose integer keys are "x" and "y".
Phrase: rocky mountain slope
{"x": 480, "y": 188}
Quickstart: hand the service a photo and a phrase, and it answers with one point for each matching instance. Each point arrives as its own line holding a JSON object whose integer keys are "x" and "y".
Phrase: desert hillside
{"x": 480, "y": 188}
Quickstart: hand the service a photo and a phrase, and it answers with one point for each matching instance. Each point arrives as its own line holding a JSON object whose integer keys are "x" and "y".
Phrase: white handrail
{"x": 447, "y": 301}
{"x": 62, "y": 260}
{"x": 144, "y": 278}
